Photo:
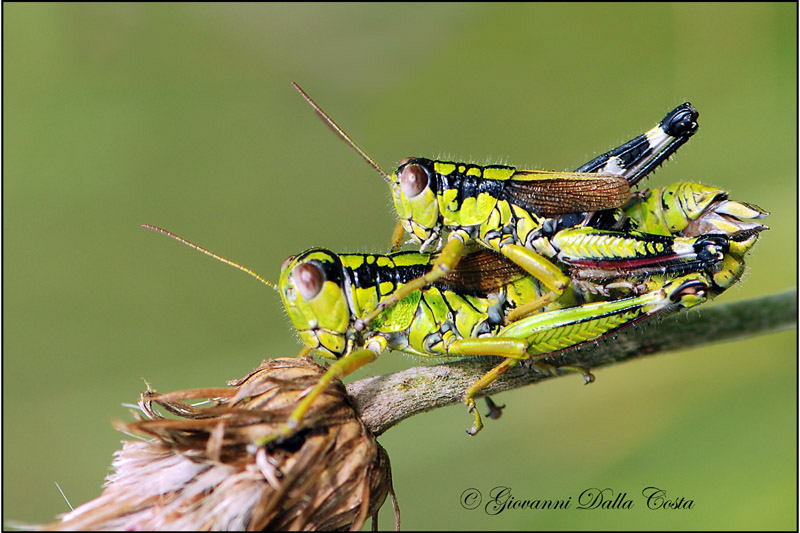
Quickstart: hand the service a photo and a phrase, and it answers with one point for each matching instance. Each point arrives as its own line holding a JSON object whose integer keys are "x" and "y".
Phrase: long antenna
{"x": 212, "y": 254}
{"x": 342, "y": 135}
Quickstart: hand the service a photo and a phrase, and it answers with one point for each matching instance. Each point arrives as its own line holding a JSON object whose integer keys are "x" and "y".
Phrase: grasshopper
{"x": 464, "y": 312}
{"x": 530, "y": 216}
{"x": 323, "y": 292}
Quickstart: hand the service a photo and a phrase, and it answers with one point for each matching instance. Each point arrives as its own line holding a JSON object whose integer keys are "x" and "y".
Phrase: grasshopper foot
{"x": 477, "y": 425}
{"x": 495, "y": 411}
{"x": 546, "y": 368}
{"x": 588, "y": 377}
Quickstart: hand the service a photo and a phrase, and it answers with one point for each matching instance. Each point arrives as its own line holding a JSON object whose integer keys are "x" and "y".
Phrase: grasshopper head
{"x": 311, "y": 287}
{"x": 413, "y": 187}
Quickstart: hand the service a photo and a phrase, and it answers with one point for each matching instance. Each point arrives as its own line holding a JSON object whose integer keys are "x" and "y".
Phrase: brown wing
{"x": 480, "y": 273}
{"x": 550, "y": 194}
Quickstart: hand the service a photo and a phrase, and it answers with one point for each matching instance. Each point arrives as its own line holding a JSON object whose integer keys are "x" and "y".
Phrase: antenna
{"x": 212, "y": 254}
{"x": 342, "y": 135}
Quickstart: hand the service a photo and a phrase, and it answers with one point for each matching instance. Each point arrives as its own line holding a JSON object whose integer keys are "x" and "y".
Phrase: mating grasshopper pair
{"x": 578, "y": 245}
{"x": 466, "y": 312}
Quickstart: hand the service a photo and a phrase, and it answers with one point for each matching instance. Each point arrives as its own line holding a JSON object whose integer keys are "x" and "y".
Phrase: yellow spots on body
{"x": 386, "y": 287}
{"x": 655, "y": 247}
{"x": 408, "y": 259}
{"x": 474, "y": 171}
{"x": 461, "y": 168}
{"x": 383, "y": 261}
{"x": 444, "y": 168}
{"x": 447, "y": 201}
{"x": 353, "y": 261}
{"x": 498, "y": 173}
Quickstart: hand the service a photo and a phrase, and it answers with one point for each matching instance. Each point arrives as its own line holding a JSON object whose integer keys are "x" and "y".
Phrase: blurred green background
{"x": 183, "y": 116}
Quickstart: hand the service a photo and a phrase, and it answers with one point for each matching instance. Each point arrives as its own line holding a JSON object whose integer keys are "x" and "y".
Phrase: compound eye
{"x": 286, "y": 262}
{"x": 413, "y": 180}
{"x": 308, "y": 280}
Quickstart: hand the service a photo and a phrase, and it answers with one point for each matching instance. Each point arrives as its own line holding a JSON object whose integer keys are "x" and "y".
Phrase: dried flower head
{"x": 205, "y": 471}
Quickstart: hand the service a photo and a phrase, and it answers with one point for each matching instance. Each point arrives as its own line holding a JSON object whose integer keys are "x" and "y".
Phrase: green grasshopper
{"x": 531, "y": 216}
{"x": 325, "y": 294}
{"x": 464, "y": 313}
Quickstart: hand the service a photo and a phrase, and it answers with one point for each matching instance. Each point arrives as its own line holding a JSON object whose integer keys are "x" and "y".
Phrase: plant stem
{"x": 384, "y": 401}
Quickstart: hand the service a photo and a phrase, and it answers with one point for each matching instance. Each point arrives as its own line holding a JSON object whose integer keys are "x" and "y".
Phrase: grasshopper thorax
{"x": 312, "y": 289}
{"x": 414, "y": 186}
